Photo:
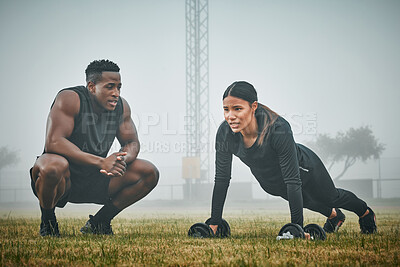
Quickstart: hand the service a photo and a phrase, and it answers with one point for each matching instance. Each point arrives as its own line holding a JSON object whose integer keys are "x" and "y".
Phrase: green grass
{"x": 162, "y": 240}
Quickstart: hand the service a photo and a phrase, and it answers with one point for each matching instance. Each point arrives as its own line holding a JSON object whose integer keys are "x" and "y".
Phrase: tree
{"x": 7, "y": 157}
{"x": 355, "y": 144}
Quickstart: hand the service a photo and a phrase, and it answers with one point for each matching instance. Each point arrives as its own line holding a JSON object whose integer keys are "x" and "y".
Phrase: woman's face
{"x": 238, "y": 113}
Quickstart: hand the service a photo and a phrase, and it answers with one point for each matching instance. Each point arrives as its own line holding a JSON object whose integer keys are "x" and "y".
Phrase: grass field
{"x": 160, "y": 238}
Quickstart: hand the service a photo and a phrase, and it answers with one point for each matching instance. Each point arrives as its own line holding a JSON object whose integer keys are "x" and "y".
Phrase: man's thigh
{"x": 50, "y": 164}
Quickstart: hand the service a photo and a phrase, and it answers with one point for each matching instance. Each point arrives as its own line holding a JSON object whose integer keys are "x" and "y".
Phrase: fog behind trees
{"x": 325, "y": 66}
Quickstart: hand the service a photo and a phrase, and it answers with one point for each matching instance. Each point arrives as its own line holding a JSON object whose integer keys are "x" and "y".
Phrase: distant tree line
{"x": 347, "y": 148}
{"x": 7, "y": 157}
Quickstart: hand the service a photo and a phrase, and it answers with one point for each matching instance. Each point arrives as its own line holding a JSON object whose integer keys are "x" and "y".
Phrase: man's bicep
{"x": 60, "y": 122}
{"x": 127, "y": 132}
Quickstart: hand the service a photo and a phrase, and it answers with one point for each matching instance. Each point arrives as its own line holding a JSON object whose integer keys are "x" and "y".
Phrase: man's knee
{"x": 152, "y": 176}
{"x": 143, "y": 171}
{"x": 52, "y": 169}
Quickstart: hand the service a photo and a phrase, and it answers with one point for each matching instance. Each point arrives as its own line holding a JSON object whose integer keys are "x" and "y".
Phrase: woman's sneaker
{"x": 333, "y": 225}
{"x": 368, "y": 223}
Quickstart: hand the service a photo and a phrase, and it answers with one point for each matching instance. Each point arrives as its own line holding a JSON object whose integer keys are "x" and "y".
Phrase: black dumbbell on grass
{"x": 203, "y": 230}
{"x": 292, "y": 230}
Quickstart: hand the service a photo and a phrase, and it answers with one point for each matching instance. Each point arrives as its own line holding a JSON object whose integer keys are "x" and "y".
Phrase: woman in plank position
{"x": 263, "y": 141}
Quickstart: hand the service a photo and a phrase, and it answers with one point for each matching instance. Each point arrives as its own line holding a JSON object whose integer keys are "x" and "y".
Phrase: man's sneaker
{"x": 368, "y": 223}
{"x": 333, "y": 225}
{"x": 49, "y": 228}
{"x": 96, "y": 228}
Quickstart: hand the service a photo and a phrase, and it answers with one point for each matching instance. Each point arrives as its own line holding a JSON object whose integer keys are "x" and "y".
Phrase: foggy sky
{"x": 337, "y": 62}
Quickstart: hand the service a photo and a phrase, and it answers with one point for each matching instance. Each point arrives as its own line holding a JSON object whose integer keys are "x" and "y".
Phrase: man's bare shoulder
{"x": 67, "y": 101}
{"x": 127, "y": 108}
{"x": 68, "y": 95}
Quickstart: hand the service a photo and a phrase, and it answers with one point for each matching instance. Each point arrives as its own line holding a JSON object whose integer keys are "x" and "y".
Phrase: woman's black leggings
{"x": 321, "y": 195}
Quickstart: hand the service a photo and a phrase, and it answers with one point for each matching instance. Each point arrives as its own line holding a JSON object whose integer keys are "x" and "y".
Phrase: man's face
{"x": 106, "y": 92}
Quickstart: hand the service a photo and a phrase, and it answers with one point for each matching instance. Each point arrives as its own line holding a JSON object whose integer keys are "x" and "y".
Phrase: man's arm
{"x": 60, "y": 124}
{"x": 127, "y": 135}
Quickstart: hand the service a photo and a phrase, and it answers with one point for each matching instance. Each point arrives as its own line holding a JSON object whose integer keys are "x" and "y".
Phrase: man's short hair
{"x": 95, "y": 69}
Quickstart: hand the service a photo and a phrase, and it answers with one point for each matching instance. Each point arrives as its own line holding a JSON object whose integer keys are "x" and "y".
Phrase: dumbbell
{"x": 316, "y": 232}
{"x": 292, "y": 230}
{"x": 203, "y": 230}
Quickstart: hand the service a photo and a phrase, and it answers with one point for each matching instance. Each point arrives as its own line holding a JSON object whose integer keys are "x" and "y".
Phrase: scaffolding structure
{"x": 197, "y": 84}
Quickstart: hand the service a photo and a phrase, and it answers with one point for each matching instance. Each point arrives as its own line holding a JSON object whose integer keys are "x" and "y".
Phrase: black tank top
{"x": 94, "y": 133}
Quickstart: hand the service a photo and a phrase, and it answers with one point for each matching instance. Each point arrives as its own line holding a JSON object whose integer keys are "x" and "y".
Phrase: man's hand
{"x": 114, "y": 165}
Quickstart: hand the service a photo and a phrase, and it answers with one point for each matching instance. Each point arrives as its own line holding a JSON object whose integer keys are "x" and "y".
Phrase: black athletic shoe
{"x": 368, "y": 223}
{"x": 96, "y": 228}
{"x": 49, "y": 228}
{"x": 333, "y": 225}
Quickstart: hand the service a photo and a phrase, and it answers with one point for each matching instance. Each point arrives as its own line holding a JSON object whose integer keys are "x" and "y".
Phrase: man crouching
{"x": 81, "y": 128}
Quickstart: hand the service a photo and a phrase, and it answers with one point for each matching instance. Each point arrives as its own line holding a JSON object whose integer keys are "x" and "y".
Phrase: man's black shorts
{"x": 90, "y": 187}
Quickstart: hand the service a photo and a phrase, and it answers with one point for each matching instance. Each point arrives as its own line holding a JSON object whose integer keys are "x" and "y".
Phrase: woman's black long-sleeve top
{"x": 274, "y": 164}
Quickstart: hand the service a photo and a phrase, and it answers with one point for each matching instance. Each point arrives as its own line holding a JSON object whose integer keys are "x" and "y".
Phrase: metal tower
{"x": 197, "y": 95}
